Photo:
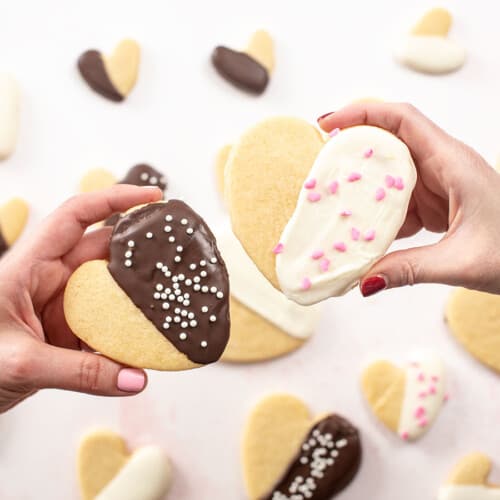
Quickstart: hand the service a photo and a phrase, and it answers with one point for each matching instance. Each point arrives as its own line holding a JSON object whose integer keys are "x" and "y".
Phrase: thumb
{"x": 87, "y": 372}
{"x": 426, "y": 264}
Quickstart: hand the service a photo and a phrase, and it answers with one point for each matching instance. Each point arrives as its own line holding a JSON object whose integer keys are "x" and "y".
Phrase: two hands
{"x": 456, "y": 194}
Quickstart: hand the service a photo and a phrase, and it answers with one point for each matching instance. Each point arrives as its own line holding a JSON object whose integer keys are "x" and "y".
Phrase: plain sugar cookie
{"x": 264, "y": 323}
{"x": 288, "y": 452}
{"x": 428, "y": 49}
{"x": 469, "y": 480}
{"x": 9, "y": 114}
{"x": 107, "y": 470}
{"x": 406, "y": 400}
{"x": 13, "y": 219}
{"x": 112, "y": 76}
{"x": 162, "y": 301}
{"x": 474, "y": 320}
{"x": 249, "y": 69}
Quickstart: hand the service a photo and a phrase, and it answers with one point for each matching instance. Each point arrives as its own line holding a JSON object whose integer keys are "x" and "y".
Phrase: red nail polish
{"x": 325, "y": 115}
{"x": 372, "y": 285}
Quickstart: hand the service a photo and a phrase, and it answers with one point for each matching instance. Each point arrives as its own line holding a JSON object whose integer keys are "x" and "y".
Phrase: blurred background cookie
{"x": 13, "y": 218}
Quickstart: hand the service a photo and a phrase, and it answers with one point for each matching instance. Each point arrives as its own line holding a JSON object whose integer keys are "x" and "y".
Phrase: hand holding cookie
{"x": 455, "y": 194}
{"x": 37, "y": 348}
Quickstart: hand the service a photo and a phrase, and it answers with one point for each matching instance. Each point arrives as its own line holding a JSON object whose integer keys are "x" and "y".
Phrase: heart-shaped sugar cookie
{"x": 162, "y": 301}
{"x": 9, "y": 114}
{"x": 13, "y": 218}
{"x": 315, "y": 217}
{"x": 287, "y": 452}
{"x": 108, "y": 471}
{"x": 112, "y": 76}
{"x": 474, "y": 320}
{"x": 407, "y": 400}
{"x": 469, "y": 480}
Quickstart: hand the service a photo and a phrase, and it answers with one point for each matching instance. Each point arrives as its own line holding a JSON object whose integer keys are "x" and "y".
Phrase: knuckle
{"x": 19, "y": 365}
{"x": 90, "y": 373}
{"x": 409, "y": 272}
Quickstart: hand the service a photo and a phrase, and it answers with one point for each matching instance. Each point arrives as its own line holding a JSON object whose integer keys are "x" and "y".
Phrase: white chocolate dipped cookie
{"x": 428, "y": 49}
{"x": 406, "y": 400}
{"x": 469, "y": 480}
{"x": 264, "y": 323}
{"x": 107, "y": 470}
{"x": 9, "y": 114}
{"x": 336, "y": 207}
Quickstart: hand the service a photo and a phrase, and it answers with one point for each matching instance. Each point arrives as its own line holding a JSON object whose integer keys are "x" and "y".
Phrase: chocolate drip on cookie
{"x": 328, "y": 460}
{"x": 240, "y": 69}
{"x": 92, "y": 69}
{"x": 140, "y": 175}
{"x": 3, "y": 244}
{"x": 166, "y": 260}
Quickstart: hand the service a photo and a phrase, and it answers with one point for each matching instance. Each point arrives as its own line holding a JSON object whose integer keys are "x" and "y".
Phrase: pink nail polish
{"x": 131, "y": 380}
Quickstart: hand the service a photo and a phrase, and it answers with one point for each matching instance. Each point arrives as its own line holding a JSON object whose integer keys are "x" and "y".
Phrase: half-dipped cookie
{"x": 288, "y": 454}
{"x": 112, "y": 76}
{"x": 162, "y": 300}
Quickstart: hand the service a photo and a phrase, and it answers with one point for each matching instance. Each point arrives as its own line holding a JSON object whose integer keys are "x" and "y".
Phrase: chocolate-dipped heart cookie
{"x": 162, "y": 301}
{"x": 112, "y": 76}
{"x": 288, "y": 454}
{"x": 13, "y": 218}
{"x": 249, "y": 69}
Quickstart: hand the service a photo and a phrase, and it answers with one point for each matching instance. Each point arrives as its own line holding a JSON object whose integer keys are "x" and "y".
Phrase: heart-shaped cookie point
{"x": 264, "y": 323}
{"x": 427, "y": 49}
{"x": 474, "y": 320}
{"x": 250, "y": 69}
{"x": 287, "y": 452}
{"x": 112, "y": 76}
{"x": 13, "y": 219}
{"x": 469, "y": 480}
{"x": 349, "y": 210}
{"x": 9, "y": 114}
{"x": 108, "y": 471}
{"x": 162, "y": 301}
{"x": 407, "y": 400}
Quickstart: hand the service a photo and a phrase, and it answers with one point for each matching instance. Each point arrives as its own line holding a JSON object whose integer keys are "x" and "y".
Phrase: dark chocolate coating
{"x": 174, "y": 279}
{"x": 140, "y": 175}
{"x": 93, "y": 71}
{"x": 3, "y": 244}
{"x": 240, "y": 69}
{"x": 328, "y": 460}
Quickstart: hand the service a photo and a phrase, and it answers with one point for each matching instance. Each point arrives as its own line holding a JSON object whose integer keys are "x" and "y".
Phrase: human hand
{"x": 37, "y": 348}
{"x": 456, "y": 194}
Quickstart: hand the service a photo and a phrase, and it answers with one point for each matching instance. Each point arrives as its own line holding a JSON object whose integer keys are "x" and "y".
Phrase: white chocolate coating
{"x": 468, "y": 492}
{"x": 423, "y": 398}
{"x": 347, "y": 203}
{"x": 9, "y": 114}
{"x": 146, "y": 476}
{"x": 430, "y": 54}
{"x": 251, "y": 288}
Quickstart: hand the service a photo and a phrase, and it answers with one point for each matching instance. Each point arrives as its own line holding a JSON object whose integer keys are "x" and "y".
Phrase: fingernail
{"x": 372, "y": 285}
{"x": 325, "y": 115}
{"x": 131, "y": 380}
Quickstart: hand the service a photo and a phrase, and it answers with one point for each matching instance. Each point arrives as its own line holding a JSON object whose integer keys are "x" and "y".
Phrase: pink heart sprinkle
{"x": 405, "y": 436}
{"x": 306, "y": 284}
{"x": 446, "y": 397}
{"x": 333, "y": 187}
{"x": 368, "y": 153}
{"x": 317, "y": 254}
{"x": 310, "y": 184}
{"x": 340, "y": 246}
{"x": 420, "y": 412}
{"x": 278, "y": 248}
{"x": 370, "y": 235}
{"x": 422, "y": 395}
{"x": 432, "y": 389}
{"x": 345, "y": 213}
{"x": 324, "y": 264}
{"x": 399, "y": 184}
{"x": 380, "y": 194}
{"x": 389, "y": 181}
{"x": 355, "y": 234}
{"x": 423, "y": 422}
{"x": 421, "y": 377}
{"x": 313, "y": 197}
{"x": 334, "y": 132}
{"x": 354, "y": 176}
{"x": 435, "y": 378}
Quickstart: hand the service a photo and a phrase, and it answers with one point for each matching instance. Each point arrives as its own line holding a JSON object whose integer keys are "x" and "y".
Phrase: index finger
{"x": 63, "y": 229}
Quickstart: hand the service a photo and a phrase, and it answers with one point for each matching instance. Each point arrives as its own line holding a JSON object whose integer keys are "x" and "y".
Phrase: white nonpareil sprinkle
{"x": 204, "y": 343}
{"x": 159, "y": 287}
{"x": 165, "y": 306}
{"x": 166, "y": 326}
{"x": 171, "y": 239}
{"x": 213, "y": 289}
{"x": 213, "y": 318}
{"x": 156, "y": 295}
{"x": 183, "y": 335}
{"x": 186, "y": 303}
{"x": 204, "y": 309}
{"x": 167, "y": 229}
{"x": 177, "y": 258}
{"x": 203, "y": 263}
{"x": 128, "y": 254}
{"x": 193, "y": 323}
{"x": 203, "y": 274}
{"x": 159, "y": 265}
{"x": 179, "y": 248}
{"x": 204, "y": 289}
{"x": 188, "y": 282}
{"x": 184, "y": 222}
{"x": 192, "y": 267}
{"x": 219, "y": 295}
{"x": 213, "y": 260}
{"x": 184, "y": 324}
{"x": 153, "y": 180}
{"x": 131, "y": 243}
{"x": 184, "y": 313}
{"x": 189, "y": 230}
{"x": 191, "y": 315}
{"x": 144, "y": 176}
{"x": 196, "y": 287}
{"x": 149, "y": 235}
{"x": 128, "y": 263}
{"x": 196, "y": 279}
{"x": 168, "y": 218}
